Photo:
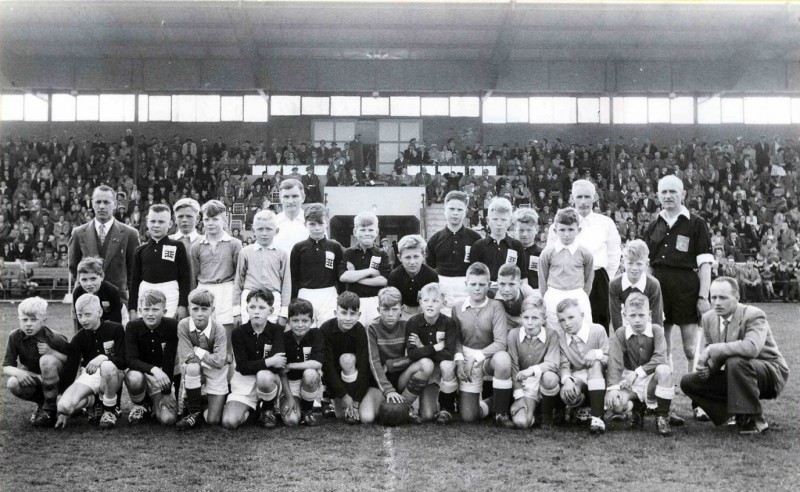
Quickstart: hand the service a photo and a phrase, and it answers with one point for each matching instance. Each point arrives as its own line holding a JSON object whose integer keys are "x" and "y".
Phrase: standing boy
{"x": 635, "y": 258}
{"x": 187, "y": 212}
{"x": 90, "y": 281}
{"x": 527, "y": 222}
{"x": 498, "y": 247}
{"x": 412, "y": 274}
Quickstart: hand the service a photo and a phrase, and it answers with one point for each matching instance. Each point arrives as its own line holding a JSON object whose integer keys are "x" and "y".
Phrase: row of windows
{"x": 534, "y": 110}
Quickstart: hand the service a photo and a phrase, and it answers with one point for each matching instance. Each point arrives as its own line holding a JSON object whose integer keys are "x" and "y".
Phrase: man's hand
{"x": 627, "y": 382}
{"x": 94, "y": 364}
{"x": 524, "y": 374}
{"x": 703, "y": 306}
{"x": 414, "y": 340}
{"x": 162, "y": 379}
{"x": 289, "y": 406}
{"x": 395, "y": 397}
{"x": 182, "y": 312}
{"x": 277, "y": 361}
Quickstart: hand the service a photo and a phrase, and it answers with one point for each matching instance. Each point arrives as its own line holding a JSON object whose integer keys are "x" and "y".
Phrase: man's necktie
{"x": 102, "y": 233}
{"x": 723, "y": 328}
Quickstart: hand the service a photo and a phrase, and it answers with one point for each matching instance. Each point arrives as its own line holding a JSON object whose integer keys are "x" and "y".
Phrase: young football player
{"x": 637, "y": 367}
{"x": 305, "y": 350}
{"x": 433, "y": 335}
{"x": 511, "y": 291}
{"x": 392, "y": 370}
{"x": 412, "y": 274}
{"x": 260, "y": 360}
{"x": 484, "y": 335}
{"x": 565, "y": 268}
{"x": 365, "y": 269}
{"x": 346, "y": 368}
{"x": 99, "y": 348}
{"x": 263, "y": 266}
{"x": 535, "y": 360}
{"x": 202, "y": 352}
{"x": 187, "y": 213}
{"x": 635, "y": 259}
{"x": 584, "y": 355}
{"x": 35, "y": 361}
{"x": 90, "y": 281}
{"x": 151, "y": 344}
{"x": 527, "y": 224}
{"x": 314, "y": 264}
{"x": 498, "y": 248}
{"x": 161, "y": 264}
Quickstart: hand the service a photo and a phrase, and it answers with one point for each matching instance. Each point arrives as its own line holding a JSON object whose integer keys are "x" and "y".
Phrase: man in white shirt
{"x": 290, "y": 222}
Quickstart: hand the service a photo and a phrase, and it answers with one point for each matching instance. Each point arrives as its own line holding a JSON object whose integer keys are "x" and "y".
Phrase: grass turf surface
{"x": 336, "y": 456}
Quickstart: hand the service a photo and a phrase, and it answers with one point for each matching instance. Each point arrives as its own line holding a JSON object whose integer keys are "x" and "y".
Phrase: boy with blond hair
{"x": 635, "y": 260}
{"x": 412, "y": 274}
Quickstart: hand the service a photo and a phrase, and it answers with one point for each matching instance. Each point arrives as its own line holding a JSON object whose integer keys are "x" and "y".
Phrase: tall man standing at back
{"x": 600, "y": 236}
{"x": 107, "y": 238}
{"x": 681, "y": 259}
{"x": 291, "y": 223}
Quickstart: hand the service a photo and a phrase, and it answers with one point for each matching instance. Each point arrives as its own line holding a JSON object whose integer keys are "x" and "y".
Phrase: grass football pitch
{"x": 335, "y": 456}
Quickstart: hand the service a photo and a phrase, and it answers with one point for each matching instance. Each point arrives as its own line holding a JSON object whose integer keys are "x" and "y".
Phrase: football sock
{"x": 664, "y": 398}
{"x": 306, "y": 405}
{"x": 502, "y": 395}
{"x": 194, "y": 398}
{"x": 109, "y": 404}
{"x": 267, "y": 404}
{"x": 597, "y": 393}
{"x": 38, "y": 396}
{"x": 486, "y": 392}
{"x": 414, "y": 387}
{"x": 548, "y": 405}
{"x": 352, "y": 388}
{"x": 447, "y": 395}
{"x": 137, "y": 399}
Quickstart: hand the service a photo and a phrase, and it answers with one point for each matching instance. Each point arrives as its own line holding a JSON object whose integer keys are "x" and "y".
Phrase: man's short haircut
{"x": 33, "y": 306}
{"x": 636, "y": 250}
{"x": 186, "y": 203}
{"x": 389, "y": 296}
{"x": 316, "y": 213}
{"x": 212, "y": 208}
{"x": 264, "y": 215}
{"x": 533, "y": 302}
{"x": 159, "y": 208}
{"x": 365, "y": 219}
{"x": 671, "y": 178}
{"x": 566, "y": 304}
{"x": 91, "y": 264}
{"x": 151, "y": 297}
{"x": 478, "y": 269}
{"x": 584, "y": 183}
{"x": 300, "y": 307}
{"x": 265, "y": 295}
{"x": 637, "y": 300}
{"x": 568, "y": 216}
{"x": 290, "y": 183}
{"x": 412, "y": 241}
{"x": 509, "y": 270}
{"x": 499, "y": 205}
{"x": 730, "y": 281}
{"x": 430, "y": 290}
{"x": 88, "y": 301}
{"x": 201, "y": 297}
{"x": 526, "y": 216}
{"x": 457, "y": 195}
{"x": 105, "y": 189}
{"x": 349, "y": 301}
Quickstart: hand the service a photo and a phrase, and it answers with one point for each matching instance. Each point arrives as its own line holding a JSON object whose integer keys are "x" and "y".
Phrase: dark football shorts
{"x": 679, "y": 289}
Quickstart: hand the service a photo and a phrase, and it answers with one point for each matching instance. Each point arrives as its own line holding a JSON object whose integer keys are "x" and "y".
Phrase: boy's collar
{"x": 468, "y": 303}
{"x": 542, "y": 336}
{"x": 583, "y": 333}
{"x": 179, "y": 235}
{"x": 572, "y": 248}
{"x": 271, "y": 246}
{"x": 640, "y": 284}
{"x": 224, "y": 238}
{"x": 206, "y": 331}
{"x": 648, "y": 331}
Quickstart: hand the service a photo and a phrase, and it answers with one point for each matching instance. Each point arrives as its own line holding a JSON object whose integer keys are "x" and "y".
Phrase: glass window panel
{"x": 494, "y": 110}
{"x": 465, "y": 106}
{"x": 764, "y": 110}
{"x": 63, "y": 107}
{"x": 605, "y": 110}
{"x": 323, "y": 130}
{"x": 404, "y": 106}
{"x": 117, "y": 107}
{"x": 184, "y": 108}
{"x": 630, "y": 110}
{"x": 409, "y": 130}
{"x": 658, "y": 110}
{"x": 682, "y": 110}
{"x": 12, "y": 107}
{"x": 285, "y": 105}
{"x": 88, "y": 108}
{"x": 709, "y": 111}
{"x": 517, "y": 110}
{"x": 36, "y": 106}
{"x": 316, "y": 105}
{"x": 796, "y": 110}
{"x": 231, "y": 108}
{"x": 565, "y": 110}
{"x": 345, "y": 131}
{"x": 541, "y": 109}
{"x": 388, "y": 131}
{"x": 435, "y": 106}
{"x": 208, "y": 110}
{"x": 143, "y": 108}
{"x": 387, "y": 151}
{"x": 256, "y": 109}
{"x": 375, "y": 106}
{"x": 345, "y": 106}
{"x": 732, "y": 110}
{"x": 160, "y": 108}
{"x": 588, "y": 110}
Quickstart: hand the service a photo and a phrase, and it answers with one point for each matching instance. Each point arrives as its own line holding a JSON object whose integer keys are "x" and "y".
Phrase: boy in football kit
{"x": 263, "y": 266}
{"x": 314, "y": 264}
{"x": 260, "y": 360}
{"x": 186, "y": 212}
{"x": 98, "y": 347}
{"x": 565, "y": 268}
{"x": 305, "y": 350}
{"x": 433, "y": 335}
{"x": 392, "y": 371}
{"x": 511, "y": 291}
{"x": 35, "y": 361}
{"x": 151, "y": 344}
{"x": 498, "y": 248}
{"x": 535, "y": 360}
{"x": 161, "y": 264}
{"x": 635, "y": 260}
{"x": 584, "y": 355}
{"x": 638, "y": 371}
{"x": 527, "y": 227}
{"x": 346, "y": 368}
{"x": 412, "y": 274}
{"x": 484, "y": 335}
{"x": 90, "y": 281}
{"x": 365, "y": 269}
{"x": 202, "y": 352}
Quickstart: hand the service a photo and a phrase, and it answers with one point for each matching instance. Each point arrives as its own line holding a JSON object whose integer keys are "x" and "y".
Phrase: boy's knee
{"x": 501, "y": 361}
{"x": 13, "y": 385}
{"x": 48, "y": 363}
{"x": 663, "y": 372}
{"x": 448, "y": 369}
{"x": 311, "y": 377}
{"x": 426, "y": 365}
{"x": 265, "y": 379}
{"x": 229, "y": 422}
{"x": 107, "y": 368}
{"x": 192, "y": 369}
{"x": 520, "y": 419}
{"x": 134, "y": 379}
{"x": 550, "y": 380}
{"x": 348, "y": 362}
{"x": 367, "y": 416}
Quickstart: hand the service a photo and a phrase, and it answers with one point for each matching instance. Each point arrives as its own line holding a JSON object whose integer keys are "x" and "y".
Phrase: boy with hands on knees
{"x": 304, "y": 357}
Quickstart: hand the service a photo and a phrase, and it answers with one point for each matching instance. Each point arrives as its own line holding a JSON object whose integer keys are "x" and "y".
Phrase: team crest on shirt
{"x": 163, "y": 346}
{"x": 466, "y": 253}
{"x": 682, "y": 244}
{"x": 375, "y": 262}
{"x": 439, "y": 336}
{"x": 306, "y": 353}
{"x": 511, "y": 256}
{"x": 329, "y": 255}
{"x": 267, "y": 348}
{"x": 108, "y": 348}
{"x": 533, "y": 263}
{"x": 106, "y": 306}
{"x": 168, "y": 252}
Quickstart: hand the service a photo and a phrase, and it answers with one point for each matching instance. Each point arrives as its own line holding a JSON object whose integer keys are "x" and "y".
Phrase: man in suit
{"x": 740, "y": 363}
{"x": 106, "y": 238}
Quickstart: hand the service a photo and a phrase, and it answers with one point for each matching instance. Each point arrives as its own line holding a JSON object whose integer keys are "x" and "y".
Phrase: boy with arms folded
{"x": 365, "y": 269}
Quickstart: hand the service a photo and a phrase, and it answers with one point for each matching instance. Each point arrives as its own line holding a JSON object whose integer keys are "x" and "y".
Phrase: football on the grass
{"x": 393, "y": 414}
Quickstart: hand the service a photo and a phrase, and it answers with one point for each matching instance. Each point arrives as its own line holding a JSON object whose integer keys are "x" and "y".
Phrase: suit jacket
{"x": 121, "y": 242}
{"x": 748, "y": 336}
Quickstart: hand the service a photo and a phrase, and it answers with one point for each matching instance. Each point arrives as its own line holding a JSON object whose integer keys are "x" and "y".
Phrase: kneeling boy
{"x": 304, "y": 356}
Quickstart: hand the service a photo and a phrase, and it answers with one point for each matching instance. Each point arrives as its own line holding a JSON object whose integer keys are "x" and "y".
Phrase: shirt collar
{"x": 648, "y": 331}
{"x": 108, "y": 225}
{"x": 225, "y": 238}
{"x": 583, "y": 333}
{"x": 641, "y": 284}
{"x": 572, "y": 248}
{"x": 542, "y": 336}
{"x": 179, "y": 235}
{"x": 206, "y": 332}
{"x": 684, "y": 211}
{"x": 259, "y": 247}
{"x": 479, "y": 306}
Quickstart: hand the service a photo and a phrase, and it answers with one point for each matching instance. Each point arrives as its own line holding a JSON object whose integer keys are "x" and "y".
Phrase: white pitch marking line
{"x": 388, "y": 447}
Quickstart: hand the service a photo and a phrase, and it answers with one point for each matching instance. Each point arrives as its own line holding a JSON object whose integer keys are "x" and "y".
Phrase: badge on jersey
{"x": 306, "y": 353}
{"x": 511, "y": 256}
{"x": 375, "y": 262}
{"x": 106, "y": 306}
{"x": 163, "y": 346}
{"x": 329, "y": 255}
{"x": 108, "y": 348}
{"x": 168, "y": 252}
{"x": 533, "y": 263}
{"x": 267, "y": 348}
{"x": 439, "y": 336}
{"x": 682, "y": 244}
{"x": 466, "y": 253}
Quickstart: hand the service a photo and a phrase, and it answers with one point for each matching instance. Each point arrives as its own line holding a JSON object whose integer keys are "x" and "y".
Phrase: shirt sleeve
{"x": 415, "y": 352}
{"x": 588, "y": 272}
{"x": 185, "y": 346}
{"x": 238, "y": 283}
{"x": 430, "y": 256}
{"x": 136, "y": 279}
{"x": 132, "y": 350}
{"x": 170, "y": 349}
{"x": 552, "y": 355}
{"x": 217, "y": 358}
{"x": 11, "y": 357}
{"x": 615, "y": 304}
{"x": 378, "y": 372}
{"x": 656, "y": 302}
{"x": 119, "y": 345}
{"x": 513, "y": 353}
{"x": 294, "y": 265}
{"x": 333, "y": 377}
{"x": 616, "y": 354}
{"x": 184, "y": 275}
{"x": 544, "y": 270}
{"x": 703, "y": 246}
{"x": 613, "y": 248}
{"x": 659, "y": 351}
{"x": 499, "y": 330}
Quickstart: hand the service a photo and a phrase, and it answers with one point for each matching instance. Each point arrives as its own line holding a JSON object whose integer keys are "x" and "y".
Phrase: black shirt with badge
{"x": 449, "y": 252}
{"x": 147, "y": 348}
{"x": 310, "y": 347}
{"x": 495, "y": 254}
{"x": 158, "y": 262}
{"x": 680, "y": 245}
{"x": 24, "y": 350}
{"x": 314, "y": 264}
{"x": 251, "y": 349}
{"x": 109, "y": 300}
{"x": 409, "y": 286}
{"x": 108, "y": 339}
{"x": 532, "y": 253}
{"x": 362, "y": 259}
